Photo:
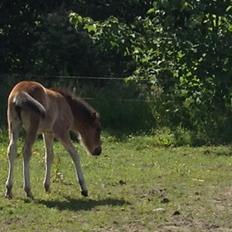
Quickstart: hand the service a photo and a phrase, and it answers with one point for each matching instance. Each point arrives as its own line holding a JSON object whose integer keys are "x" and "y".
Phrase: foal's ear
{"x": 94, "y": 115}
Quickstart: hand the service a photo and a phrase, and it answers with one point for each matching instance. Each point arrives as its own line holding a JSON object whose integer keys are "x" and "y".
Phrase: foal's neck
{"x": 82, "y": 111}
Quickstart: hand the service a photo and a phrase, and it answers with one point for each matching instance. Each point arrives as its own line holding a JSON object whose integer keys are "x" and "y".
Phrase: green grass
{"x": 134, "y": 185}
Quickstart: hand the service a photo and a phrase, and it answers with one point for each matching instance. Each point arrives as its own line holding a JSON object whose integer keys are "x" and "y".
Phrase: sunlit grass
{"x": 134, "y": 185}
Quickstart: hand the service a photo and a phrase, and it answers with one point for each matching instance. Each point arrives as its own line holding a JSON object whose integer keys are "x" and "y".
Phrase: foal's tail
{"x": 24, "y": 101}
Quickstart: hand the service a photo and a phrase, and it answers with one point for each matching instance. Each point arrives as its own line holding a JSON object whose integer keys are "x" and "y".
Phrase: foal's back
{"x": 34, "y": 89}
{"x": 34, "y": 104}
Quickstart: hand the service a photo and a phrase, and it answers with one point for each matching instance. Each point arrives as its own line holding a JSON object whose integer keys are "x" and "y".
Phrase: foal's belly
{"x": 46, "y": 125}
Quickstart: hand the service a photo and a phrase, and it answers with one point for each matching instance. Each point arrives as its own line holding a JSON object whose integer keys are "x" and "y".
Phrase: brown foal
{"x": 54, "y": 113}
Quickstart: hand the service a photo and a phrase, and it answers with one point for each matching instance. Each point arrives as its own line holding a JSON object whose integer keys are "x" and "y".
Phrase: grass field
{"x": 134, "y": 186}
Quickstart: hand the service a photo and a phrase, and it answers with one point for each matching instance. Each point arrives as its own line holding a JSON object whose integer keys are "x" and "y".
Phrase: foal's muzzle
{"x": 97, "y": 151}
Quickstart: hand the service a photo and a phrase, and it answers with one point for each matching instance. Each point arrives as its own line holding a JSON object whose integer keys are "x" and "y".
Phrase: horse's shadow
{"x": 81, "y": 204}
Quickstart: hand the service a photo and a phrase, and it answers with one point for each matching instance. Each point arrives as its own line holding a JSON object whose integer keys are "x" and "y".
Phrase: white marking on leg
{"x": 76, "y": 159}
{"x": 13, "y": 128}
{"x": 49, "y": 156}
{"x": 26, "y": 170}
{"x": 12, "y": 152}
{"x": 29, "y": 140}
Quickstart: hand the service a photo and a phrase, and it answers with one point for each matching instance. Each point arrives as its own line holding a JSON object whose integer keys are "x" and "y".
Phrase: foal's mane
{"x": 79, "y": 107}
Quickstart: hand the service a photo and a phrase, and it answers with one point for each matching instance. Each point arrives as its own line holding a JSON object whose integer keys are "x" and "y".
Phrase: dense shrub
{"x": 175, "y": 58}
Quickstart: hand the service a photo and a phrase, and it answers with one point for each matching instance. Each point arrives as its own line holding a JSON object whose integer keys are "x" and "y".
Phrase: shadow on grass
{"x": 81, "y": 204}
{"x": 226, "y": 153}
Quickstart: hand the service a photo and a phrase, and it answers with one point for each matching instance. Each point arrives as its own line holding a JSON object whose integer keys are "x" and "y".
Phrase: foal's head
{"x": 87, "y": 123}
{"x": 90, "y": 131}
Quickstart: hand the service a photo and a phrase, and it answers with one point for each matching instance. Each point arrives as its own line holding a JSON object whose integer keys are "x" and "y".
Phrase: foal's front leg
{"x": 66, "y": 141}
{"x": 26, "y": 169}
{"x": 49, "y": 156}
{"x": 27, "y": 151}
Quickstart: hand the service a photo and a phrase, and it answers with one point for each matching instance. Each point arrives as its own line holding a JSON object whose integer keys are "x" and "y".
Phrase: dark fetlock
{"x": 47, "y": 188}
{"x": 28, "y": 193}
{"x": 84, "y": 193}
{"x": 8, "y": 193}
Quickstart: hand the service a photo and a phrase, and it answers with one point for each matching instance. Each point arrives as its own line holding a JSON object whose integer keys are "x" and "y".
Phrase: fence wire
{"x": 64, "y": 77}
{"x": 71, "y": 81}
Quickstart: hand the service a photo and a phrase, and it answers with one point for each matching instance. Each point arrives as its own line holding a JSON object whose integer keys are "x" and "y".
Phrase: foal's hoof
{"x": 8, "y": 195}
{"x": 47, "y": 188}
{"x": 84, "y": 193}
{"x": 29, "y": 196}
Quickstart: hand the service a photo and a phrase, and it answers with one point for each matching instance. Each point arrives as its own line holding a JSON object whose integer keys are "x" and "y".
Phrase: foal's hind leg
{"x": 12, "y": 152}
{"x": 49, "y": 156}
{"x": 27, "y": 151}
{"x": 66, "y": 141}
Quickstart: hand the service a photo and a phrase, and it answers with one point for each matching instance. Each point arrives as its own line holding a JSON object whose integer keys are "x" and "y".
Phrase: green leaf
{"x": 91, "y": 28}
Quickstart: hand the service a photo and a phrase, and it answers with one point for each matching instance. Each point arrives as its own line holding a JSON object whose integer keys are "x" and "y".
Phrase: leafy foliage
{"x": 178, "y": 54}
